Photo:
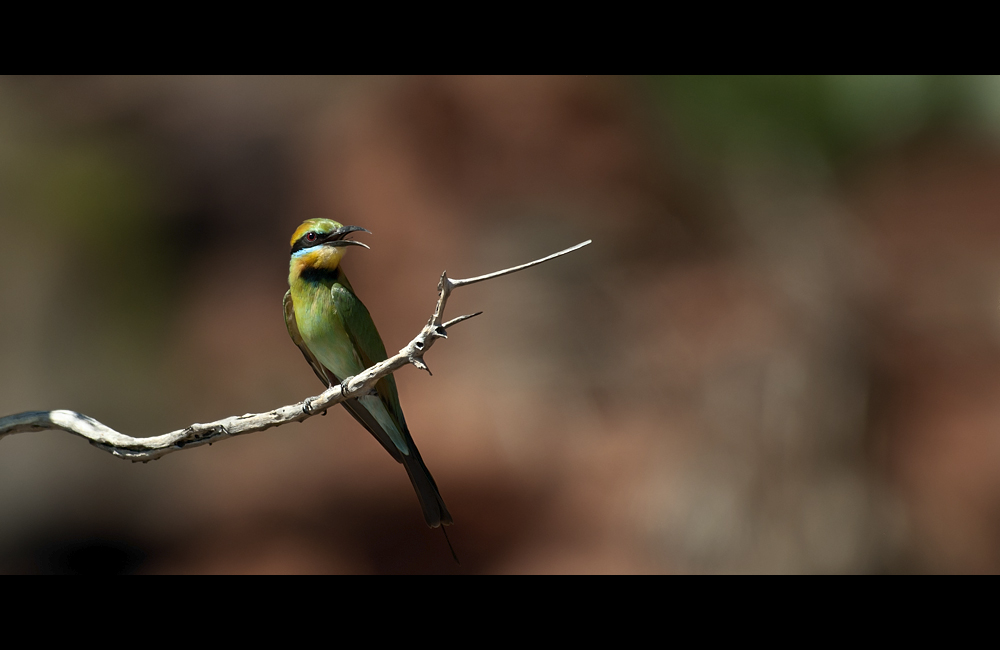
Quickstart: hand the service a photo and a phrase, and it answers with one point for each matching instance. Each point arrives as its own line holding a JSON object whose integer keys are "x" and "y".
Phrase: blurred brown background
{"x": 781, "y": 353}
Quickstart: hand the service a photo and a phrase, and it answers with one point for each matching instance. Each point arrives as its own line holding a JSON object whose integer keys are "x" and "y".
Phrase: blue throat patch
{"x": 303, "y": 251}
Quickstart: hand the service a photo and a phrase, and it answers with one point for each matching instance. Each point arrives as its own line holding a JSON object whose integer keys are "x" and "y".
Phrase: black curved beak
{"x": 336, "y": 238}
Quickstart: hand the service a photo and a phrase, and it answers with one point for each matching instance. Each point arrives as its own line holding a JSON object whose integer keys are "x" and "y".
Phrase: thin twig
{"x": 195, "y": 435}
{"x": 496, "y": 274}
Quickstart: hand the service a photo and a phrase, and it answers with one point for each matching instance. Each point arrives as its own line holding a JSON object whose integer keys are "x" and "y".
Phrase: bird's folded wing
{"x": 326, "y": 376}
{"x": 368, "y": 421}
{"x": 368, "y": 344}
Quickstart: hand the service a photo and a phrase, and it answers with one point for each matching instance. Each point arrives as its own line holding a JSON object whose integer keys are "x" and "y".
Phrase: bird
{"x": 336, "y": 334}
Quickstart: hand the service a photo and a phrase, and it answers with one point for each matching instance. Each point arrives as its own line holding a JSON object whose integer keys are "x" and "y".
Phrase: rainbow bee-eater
{"x": 336, "y": 334}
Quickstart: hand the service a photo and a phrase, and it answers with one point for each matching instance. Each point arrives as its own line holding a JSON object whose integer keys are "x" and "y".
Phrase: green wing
{"x": 353, "y": 407}
{"x": 367, "y": 343}
{"x": 370, "y": 350}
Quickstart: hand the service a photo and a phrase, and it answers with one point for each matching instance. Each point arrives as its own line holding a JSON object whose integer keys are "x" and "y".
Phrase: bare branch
{"x": 195, "y": 435}
{"x": 456, "y": 321}
{"x": 514, "y": 269}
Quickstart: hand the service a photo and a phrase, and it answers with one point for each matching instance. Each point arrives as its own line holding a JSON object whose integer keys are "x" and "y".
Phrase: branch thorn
{"x": 456, "y": 321}
{"x": 419, "y": 363}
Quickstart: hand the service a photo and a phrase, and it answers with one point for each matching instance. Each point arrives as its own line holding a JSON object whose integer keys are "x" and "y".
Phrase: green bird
{"x": 336, "y": 334}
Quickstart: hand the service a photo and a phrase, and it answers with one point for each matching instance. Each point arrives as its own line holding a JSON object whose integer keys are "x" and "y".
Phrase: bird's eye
{"x": 310, "y": 237}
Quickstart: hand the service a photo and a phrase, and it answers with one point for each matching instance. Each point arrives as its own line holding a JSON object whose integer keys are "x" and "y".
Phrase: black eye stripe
{"x": 305, "y": 242}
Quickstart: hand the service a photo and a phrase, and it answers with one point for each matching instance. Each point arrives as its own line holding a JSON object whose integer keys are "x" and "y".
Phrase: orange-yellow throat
{"x": 321, "y": 258}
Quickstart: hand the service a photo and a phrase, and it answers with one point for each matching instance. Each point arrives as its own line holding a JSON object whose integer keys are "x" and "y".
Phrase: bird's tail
{"x": 435, "y": 512}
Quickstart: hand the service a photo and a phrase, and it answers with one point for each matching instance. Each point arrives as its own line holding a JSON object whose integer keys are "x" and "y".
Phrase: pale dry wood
{"x": 195, "y": 435}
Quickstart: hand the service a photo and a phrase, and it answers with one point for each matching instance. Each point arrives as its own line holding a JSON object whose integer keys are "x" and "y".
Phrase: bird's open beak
{"x": 336, "y": 238}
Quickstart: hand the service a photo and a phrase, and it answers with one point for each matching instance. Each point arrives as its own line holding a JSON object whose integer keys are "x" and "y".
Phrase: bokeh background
{"x": 781, "y": 353}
